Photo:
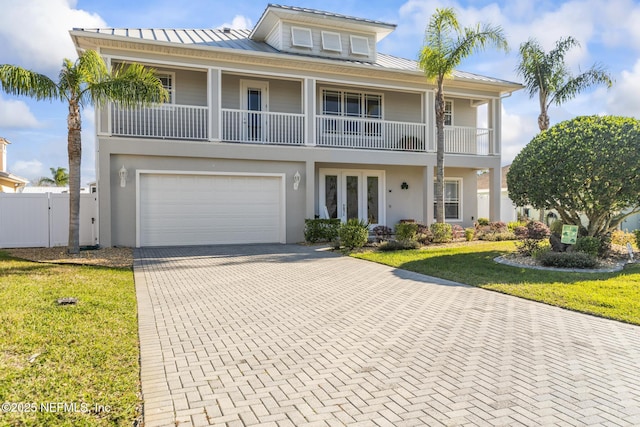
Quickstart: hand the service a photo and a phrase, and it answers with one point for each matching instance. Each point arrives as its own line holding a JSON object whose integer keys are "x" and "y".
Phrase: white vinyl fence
{"x": 42, "y": 220}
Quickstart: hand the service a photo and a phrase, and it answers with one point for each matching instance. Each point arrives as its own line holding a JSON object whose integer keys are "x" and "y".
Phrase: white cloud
{"x": 31, "y": 169}
{"x": 16, "y": 114}
{"x": 35, "y": 33}
{"x": 239, "y": 22}
{"x": 624, "y": 96}
{"x": 517, "y": 131}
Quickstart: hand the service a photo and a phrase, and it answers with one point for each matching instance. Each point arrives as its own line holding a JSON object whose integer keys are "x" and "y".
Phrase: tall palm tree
{"x": 548, "y": 75}
{"x": 87, "y": 81}
{"x": 446, "y": 44}
{"x": 60, "y": 177}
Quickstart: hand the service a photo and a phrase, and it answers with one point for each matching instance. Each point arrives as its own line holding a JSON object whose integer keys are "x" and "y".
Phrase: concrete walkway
{"x": 292, "y": 336}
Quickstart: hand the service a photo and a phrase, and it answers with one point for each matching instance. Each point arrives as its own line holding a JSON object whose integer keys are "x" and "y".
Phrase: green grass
{"x": 611, "y": 295}
{"x": 88, "y": 352}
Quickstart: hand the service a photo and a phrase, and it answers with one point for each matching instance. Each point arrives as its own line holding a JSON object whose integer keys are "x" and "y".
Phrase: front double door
{"x": 348, "y": 194}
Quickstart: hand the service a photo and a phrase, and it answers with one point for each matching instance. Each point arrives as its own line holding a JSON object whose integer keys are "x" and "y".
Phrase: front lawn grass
{"x": 67, "y": 365}
{"x": 611, "y": 295}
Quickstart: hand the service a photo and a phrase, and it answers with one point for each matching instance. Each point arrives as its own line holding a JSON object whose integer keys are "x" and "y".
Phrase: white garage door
{"x": 183, "y": 209}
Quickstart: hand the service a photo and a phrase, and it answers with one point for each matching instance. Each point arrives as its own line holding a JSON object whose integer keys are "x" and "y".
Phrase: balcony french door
{"x": 348, "y": 194}
{"x": 254, "y": 99}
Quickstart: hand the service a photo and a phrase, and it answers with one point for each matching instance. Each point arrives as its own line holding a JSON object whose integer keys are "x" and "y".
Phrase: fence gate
{"x": 42, "y": 220}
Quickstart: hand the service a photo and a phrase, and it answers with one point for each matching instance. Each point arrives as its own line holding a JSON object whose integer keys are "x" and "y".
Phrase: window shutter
{"x": 301, "y": 37}
{"x": 359, "y": 45}
{"x": 331, "y": 41}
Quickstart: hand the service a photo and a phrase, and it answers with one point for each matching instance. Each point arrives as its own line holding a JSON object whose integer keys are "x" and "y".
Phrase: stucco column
{"x": 430, "y": 120}
{"x": 494, "y": 111}
{"x": 214, "y": 102}
{"x": 309, "y": 108}
{"x": 427, "y": 194}
{"x": 105, "y": 187}
{"x": 310, "y": 188}
{"x": 495, "y": 181}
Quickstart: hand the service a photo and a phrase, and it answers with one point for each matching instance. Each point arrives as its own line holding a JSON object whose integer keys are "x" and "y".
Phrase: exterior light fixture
{"x": 123, "y": 176}
{"x": 296, "y": 180}
{"x": 404, "y": 186}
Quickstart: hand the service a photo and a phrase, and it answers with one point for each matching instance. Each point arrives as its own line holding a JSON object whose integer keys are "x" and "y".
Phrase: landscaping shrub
{"x": 515, "y": 224}
{"x": 483, "y": 221}
{"x": 353, "y": 234}
{"x": 382, "y": 232}
{"x": 521, "y": 232}
{"x": 442, "y": 233}
{"x": 587, "y": 245}
{"x": 394, "y": 245}
{"x": 528, "y": 247}
{"x": 499, "y": 237}
{"x": 498, "y": 226}
{"x": 318, "y": 229}
{"x": 636, "y": 233}
{"x": 537, "y": 230}
{"x": 469, "y": 233}
{"x": 457, "y": 232}
{"x": 406, "y": 231}
{"x": 424, "y": 234}
{"x": 621, "y": 238}
{"x": 568, "y": 260}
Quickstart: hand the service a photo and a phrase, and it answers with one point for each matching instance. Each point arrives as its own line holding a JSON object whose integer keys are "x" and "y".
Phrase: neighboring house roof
{"x": 483, "y": 180}
{"x": 13, "y": 178}
{"x": 240, "y": 40}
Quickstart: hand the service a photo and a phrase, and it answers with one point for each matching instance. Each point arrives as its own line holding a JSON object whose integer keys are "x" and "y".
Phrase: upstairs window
{"x": 301, "y": 37}
{"x": 359, "y": 45}
{"x": 448, "y": 113}
{"x": 352, "y": 104}
{"x": 167, "y": 80}
{"x": 331, "y": 41}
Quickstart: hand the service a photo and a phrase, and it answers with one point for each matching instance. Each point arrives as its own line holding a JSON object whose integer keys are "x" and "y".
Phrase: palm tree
{"x": 60, "y": 177}
{"x": 87, "y": 81}
{"x": 446, "y": 44}
{"x": 548, "y": 75}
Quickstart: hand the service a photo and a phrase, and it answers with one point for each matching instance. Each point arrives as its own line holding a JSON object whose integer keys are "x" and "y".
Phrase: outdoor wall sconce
{"x": 123, "y": 176}
{"x": 404, "y": 186}
{"x": 296, "y": 180}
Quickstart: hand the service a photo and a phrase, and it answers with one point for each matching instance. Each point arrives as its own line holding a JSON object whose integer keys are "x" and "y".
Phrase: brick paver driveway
{"x": 291, "y": 336}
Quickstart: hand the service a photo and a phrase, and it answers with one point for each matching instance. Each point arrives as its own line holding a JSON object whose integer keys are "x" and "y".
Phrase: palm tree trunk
{"x": 74, "y": 148}
{"x": 439, "y": 190}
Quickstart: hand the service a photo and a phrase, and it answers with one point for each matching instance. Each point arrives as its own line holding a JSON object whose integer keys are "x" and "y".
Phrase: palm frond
{"x": 16, "y": 80}
{"x": 573, "y": 86}
{"x": 130, "y": 85}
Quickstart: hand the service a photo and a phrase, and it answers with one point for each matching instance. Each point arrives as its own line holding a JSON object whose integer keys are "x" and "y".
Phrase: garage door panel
{"x": 210, "y": 209}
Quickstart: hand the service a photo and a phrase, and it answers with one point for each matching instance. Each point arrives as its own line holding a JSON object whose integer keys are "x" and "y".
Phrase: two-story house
{"x": 299, "y": 117}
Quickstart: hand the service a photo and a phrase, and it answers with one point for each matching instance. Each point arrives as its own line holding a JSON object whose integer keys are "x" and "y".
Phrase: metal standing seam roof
{"x": 239, "y": 39}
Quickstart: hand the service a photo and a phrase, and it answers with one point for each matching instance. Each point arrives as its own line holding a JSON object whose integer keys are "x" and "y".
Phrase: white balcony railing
{"x": 467, "y": 140}
{"x": 191, "y": 122}
{"x": 262, "y": 127}
{"x": 372, "y": 134}
{"x": 161, "y": 121}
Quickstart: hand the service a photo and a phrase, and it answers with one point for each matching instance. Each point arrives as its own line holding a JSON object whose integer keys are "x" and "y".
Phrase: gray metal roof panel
{"x": 239, "y": 39}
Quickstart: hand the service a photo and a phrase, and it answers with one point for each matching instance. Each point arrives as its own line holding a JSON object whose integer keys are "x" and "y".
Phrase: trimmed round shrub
{"x": 568, "y": 260}
{"x": 442, "y": 233}
{"x": 469, "y": 233}
{"x": 424, "y": 235}
{"x": 499, "y": 237}
{"x": 406, "y": 231}
{"x": 353, "y": 234}
{"x": 483, "y": 221}
{"x": 521, "y": 232}
{"x": 556, "y": 228}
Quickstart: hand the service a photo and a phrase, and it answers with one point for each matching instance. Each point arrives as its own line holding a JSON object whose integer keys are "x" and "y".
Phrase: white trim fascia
{"x": 283, "y": 192}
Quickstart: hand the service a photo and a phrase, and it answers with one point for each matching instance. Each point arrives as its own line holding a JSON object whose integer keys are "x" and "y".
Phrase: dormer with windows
{"x": 321, "y": 34}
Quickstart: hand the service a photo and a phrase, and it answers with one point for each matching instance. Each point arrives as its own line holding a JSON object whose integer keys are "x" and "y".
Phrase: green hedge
{"x": 316, "y": 230}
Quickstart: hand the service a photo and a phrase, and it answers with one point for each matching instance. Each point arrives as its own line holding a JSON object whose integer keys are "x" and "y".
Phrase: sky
{"x": 34, "y": 34}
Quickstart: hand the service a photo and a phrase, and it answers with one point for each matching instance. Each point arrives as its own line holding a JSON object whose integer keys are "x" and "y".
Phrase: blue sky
{"x": 34, "y": 34}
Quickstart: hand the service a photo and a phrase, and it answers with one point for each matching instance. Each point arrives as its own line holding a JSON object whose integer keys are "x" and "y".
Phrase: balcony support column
{"x": 427, "y": 194}
{"x": 214, "y": 103}
{"x": 309, "y": 108}
{"x": 494, "y": 112}
{"x": 495, "y": 184}
{"x": 430, "y": 120}
{"x": 310, "y": 188}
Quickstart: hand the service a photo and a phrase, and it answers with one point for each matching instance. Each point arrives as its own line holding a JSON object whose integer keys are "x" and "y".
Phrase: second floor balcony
{"x": 184, "y": 122}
